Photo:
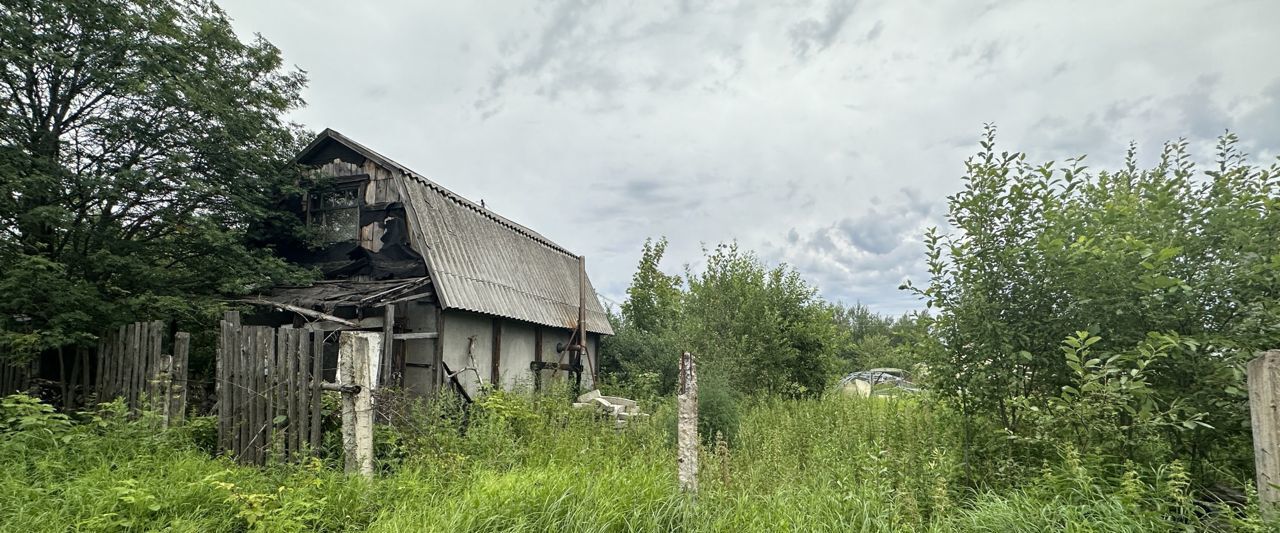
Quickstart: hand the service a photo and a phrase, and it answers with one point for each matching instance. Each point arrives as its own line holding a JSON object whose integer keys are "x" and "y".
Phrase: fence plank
{"x": 267, "y": 339}
{"x": 219, "y": 384}
{"x": 227, "y": 355}
{"x": 136, "y": 365}
{"x": 291, "y": 390}
{"x": 143, "y": 374}
{"x": 158, "y": 364}
{"x": 254, "y": 372}
{"x": 271, "y": 390}
{"x": 125, "y": 381}
{"x": 241, "y": 417}
{"x": 149, "y": 365}
{"x": 222, "y": 386}
{"x": 256, "y": 390}
{"x": 303, "y": 397}
{"x": 317, "y": 377}
{"x": 121, "y": 358}
{"x": 237, "y": 407}
{"x": 164, "y": 390}
{"x": 244, "y": 416}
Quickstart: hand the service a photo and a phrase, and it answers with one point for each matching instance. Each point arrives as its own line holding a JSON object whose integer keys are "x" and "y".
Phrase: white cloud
{"x": 778, "y": 124}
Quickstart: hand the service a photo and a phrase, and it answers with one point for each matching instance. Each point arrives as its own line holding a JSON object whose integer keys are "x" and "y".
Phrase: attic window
{"x": 335, "y": 214}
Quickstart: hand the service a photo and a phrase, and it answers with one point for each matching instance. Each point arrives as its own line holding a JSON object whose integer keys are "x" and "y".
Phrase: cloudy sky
{"x": 825, "y": 134}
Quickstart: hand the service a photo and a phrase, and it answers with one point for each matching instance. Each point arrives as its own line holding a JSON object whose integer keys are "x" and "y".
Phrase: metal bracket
{"x": 547, "y": 365}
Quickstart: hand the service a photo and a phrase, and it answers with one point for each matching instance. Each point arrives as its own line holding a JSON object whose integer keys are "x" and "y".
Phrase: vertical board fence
{"x": 269, "y": 385}
{"x": 133, "y": 365}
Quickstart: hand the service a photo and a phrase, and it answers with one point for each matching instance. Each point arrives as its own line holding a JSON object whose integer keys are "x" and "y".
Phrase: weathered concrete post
{"x": 687, "y": 432}
{"x": 358, "y": 354}
{"x": 1264, "y": 406}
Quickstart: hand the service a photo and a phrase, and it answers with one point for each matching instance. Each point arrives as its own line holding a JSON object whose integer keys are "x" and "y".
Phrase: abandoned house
{"x": 467, "y": 297}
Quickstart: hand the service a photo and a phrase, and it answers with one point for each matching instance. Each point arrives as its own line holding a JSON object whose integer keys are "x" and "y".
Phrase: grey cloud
{"x": 881, "y": 229}
{"x": 813, "y": 35}
{"x": 875, "y": 31}
{"x": 1263, "y": 124}
{"x": 865, "y": 257}
{"x": 1203, "y": 118}
{"x": 598, "y": 52}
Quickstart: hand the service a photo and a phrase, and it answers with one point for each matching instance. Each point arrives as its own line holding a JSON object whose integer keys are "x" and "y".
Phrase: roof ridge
{"x": 483, "y": 211}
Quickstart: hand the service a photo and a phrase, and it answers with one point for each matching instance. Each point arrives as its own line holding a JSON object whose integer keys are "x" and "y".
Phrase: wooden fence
{"x": 133, "y": 364}
{"x": 269, "y": 388}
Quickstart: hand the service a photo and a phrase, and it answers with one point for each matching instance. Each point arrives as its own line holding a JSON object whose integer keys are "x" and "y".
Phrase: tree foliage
{"x": 879, "y": 341}
{"x": 140, "y": 140}
{"x": 1042, "y": 252}
{"x": 759, "y": 329}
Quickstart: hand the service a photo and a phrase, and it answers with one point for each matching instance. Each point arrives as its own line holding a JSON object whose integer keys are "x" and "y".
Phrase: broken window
{"x": 335, "y": 214}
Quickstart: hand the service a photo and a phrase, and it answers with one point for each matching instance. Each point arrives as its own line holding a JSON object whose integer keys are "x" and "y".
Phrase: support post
{"x": 358, "y": 354}
{"x": 537, "y": 358}
{"x": 687, "y": 419}
{"x": 1264, "y": 408}
{"x": 388, "y": 333}
{"x": 495, "y": 372}
{"x": 582, "y": 321}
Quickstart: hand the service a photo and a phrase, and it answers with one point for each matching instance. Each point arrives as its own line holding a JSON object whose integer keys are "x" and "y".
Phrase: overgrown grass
{"x": 533, "y": 464}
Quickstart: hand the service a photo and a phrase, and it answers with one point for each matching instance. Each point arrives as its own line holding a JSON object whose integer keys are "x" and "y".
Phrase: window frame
{"x": 357, "y": 182}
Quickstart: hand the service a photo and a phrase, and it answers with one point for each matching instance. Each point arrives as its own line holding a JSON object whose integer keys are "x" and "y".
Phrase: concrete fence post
{"x": 1264, "y": 408}
{"x": 358, "y": 356}
{"x": 687, "y": 432}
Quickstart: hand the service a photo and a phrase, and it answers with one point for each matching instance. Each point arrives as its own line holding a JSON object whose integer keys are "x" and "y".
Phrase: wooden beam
{"x": 495, "y": 374}
{"x": 582, "y": 321}
{"x": 388, "y": 332}
{"x": 537, "y": 357}
{"x": 437, "y": 358}
{"x": 402, "y": 299}
{"x": 301, "y": 311}
{"x": 416, "y": 335}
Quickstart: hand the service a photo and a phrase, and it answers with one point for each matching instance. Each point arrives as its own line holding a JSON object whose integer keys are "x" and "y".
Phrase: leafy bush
{"x": 764, "y": 327}
{"x": 1041, "y": 251}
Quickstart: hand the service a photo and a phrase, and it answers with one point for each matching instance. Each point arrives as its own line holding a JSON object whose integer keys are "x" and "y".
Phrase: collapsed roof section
{"x": 328, "y": 296}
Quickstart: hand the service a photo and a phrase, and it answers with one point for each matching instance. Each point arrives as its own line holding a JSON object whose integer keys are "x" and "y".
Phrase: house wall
{"x": 467, "y": 337}
{"x": 465, "y": 329}
{"x": 419, "y": 317}
{"x": 517, "y": 353}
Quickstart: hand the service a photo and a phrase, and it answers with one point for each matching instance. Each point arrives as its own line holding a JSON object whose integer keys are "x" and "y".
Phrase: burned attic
{"x": 465, "y": 297}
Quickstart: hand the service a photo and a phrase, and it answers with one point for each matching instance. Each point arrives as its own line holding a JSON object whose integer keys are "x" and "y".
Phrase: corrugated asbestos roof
{"x": 480, "y": 261}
